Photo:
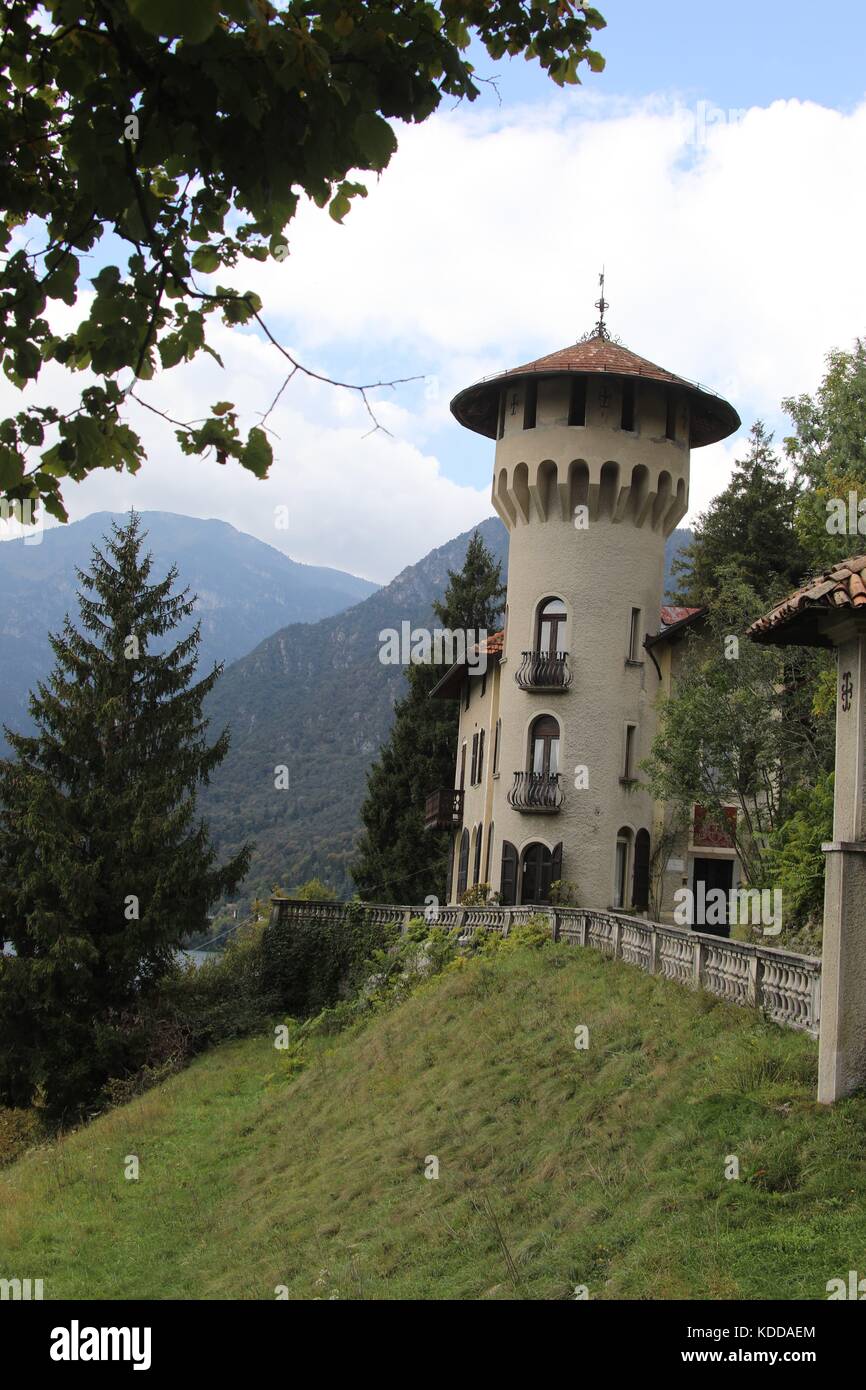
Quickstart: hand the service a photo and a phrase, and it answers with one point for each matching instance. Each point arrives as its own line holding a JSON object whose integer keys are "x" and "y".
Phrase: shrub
{"x": 309, "y": 965}
{"x": 479, "y": 895}
{"x": 20, "y": 1130}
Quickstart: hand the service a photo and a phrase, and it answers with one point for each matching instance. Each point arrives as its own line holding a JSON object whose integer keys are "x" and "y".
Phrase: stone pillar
{"x": 842, "y": 1039}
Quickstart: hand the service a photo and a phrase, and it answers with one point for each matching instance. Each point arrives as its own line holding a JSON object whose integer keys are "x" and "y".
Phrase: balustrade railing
{"x": 784, "y": 986}
{"x": 543, "y": 671}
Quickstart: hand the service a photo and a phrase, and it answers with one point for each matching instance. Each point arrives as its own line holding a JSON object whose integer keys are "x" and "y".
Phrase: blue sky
{"x": 714, "y": 168}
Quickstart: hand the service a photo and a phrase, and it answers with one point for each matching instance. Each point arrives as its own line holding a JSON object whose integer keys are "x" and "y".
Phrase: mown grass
{"x": 557, "y": 1167}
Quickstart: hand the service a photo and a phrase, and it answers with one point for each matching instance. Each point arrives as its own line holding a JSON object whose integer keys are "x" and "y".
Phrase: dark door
{"x": 536, "y": 876}
{"x": 710, "y": 874}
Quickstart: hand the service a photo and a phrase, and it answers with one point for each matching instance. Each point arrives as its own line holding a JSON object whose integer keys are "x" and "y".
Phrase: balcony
{"x": 443, "y": 810}
{"x": 536, "y": 791}
{"x": 543, "y": 671}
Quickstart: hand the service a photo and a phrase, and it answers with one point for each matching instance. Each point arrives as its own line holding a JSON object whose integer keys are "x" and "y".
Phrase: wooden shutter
{"x": 508, "y": 880}
{"x": 463, "y": 870}
{"x": 556, "y": 864}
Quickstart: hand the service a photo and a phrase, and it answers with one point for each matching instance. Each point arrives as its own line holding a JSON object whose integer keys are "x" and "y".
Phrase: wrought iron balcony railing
{"x": 543, "y": 671}
{"x": 443, "y": 810}
{"x": 535, "y": 791}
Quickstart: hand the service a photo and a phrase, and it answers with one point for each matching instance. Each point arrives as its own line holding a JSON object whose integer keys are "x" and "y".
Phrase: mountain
{"x": 316, "y": 700}
{"x": 676, "y": 541}
{"x": 246, "y": 590}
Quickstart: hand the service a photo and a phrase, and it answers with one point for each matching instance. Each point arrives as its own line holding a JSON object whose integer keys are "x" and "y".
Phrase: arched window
{"x": 551, "y": 626}
{"x": 476, "y": 867}
{"x": 508, "y": 875}
{"x": 544, "y": 745}
{"x": 463, "y": 869}
{"x": 620, "y": 879}
{"x": 640, "y": 891}
{"x": 488, "y": 856}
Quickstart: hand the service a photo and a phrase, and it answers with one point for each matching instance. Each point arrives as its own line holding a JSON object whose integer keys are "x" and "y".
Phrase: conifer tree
{"x": 748, "y": 528}
{"x": 103, "y": 865}
{"x": 398, "y": 860}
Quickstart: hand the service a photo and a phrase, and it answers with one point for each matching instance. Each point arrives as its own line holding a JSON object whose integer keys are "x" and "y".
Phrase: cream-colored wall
{"x": 634, "y": 486}
{"x": 482, "y": 713}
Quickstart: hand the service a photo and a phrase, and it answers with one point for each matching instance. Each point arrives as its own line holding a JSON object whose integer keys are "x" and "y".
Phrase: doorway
{"x": 707, "y": 875}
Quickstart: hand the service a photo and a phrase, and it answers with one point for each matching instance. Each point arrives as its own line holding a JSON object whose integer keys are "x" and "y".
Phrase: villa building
{"x": 591, "y": 475}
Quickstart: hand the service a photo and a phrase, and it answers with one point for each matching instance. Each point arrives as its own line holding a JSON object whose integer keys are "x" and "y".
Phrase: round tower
{"x": 591, "y": 475}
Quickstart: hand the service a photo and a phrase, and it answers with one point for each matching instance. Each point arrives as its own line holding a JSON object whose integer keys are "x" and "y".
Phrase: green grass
{"x": 557, "y": 1167}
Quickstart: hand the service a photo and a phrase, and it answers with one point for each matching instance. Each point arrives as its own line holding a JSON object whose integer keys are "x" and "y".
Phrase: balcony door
{"x": 539, "y": 868}
{"x": 544, "y": 746}
{"x": 551, "y": 626}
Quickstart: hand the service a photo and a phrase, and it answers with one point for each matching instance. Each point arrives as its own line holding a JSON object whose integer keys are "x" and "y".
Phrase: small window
{"x": 634, "y": 646}
{"x": 530, "y": 405}
{"x": 627, "y": 420}
{"x": 497, "y": 736}
{"x": 463, "y": 765}
{"x": 544, "y": 746}
{"x": 472, "y": 777}
{"x": 577, "y": 401}
{"x": 670, "y": 416}
{"x": 628, "y": 759}
{"x": 621, "y": 869}
{"x": 480, "y": 754}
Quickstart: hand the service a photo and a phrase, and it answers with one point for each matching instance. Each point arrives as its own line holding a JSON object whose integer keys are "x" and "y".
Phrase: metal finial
{"x": 601, "y": 304}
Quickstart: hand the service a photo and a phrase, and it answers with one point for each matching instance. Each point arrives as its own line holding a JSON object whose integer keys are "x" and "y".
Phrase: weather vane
{"x": 601, "y": 304}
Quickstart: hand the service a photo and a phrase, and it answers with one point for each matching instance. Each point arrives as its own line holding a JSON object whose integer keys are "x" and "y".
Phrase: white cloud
{"x": 733, "y": 248}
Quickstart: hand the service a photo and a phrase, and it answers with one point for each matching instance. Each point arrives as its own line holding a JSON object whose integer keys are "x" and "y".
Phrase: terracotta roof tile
{"x": 712, "y": 418}
{"x": 798, "y": 618}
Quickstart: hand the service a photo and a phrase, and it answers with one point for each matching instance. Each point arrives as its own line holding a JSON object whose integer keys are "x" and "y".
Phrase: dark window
{"x": 671, "y": 416}
{"x": 488, "y": 855}
{"x": 627, "y": 421}
{"x": 472, "y": 775}
{"x": 544, "y": 745}
{"x": 634, "y": 636}
{"x": 628, "y": 760}
{"x": 623, "y": 840}
{"x": 480, "y": 755}
{"x": 530, "y": 405}
{"x": 463, "y": 766}
{"x": 536, "y": 872}
{"x": 476, "y": 868}
{"x": 551, "y": 622}
{"x": 508, "y": 876}
{"x": 463, "y": 870}
{"x": 497, "y": 736}
{"x": 640, "y": 893}
{"x": 577, "y": 401}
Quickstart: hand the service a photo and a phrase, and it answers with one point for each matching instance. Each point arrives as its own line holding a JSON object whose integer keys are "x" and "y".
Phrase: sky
{"x": 715, "y": 170}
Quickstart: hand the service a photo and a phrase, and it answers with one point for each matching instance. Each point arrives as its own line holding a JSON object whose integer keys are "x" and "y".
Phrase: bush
{"x": 311, "y": 964}
{"x": 20, "y": 1130}
{"x": 480, "y": 895}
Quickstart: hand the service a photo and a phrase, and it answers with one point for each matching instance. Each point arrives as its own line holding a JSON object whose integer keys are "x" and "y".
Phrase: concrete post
{"x": 842, "y": 1039}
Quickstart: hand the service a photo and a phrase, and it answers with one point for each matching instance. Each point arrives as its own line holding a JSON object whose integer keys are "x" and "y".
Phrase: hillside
{"x": 557, "y": 1167}
{"x": 317, "y": 699}
{"x": 246, "y": 590}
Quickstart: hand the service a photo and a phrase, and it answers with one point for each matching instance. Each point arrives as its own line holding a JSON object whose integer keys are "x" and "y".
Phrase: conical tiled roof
{"x": 712, "y": 418}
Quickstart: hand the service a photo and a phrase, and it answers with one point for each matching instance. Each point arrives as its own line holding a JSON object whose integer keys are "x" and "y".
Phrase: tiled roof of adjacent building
{"x": 712, "y": 418}
{"x": 670, "y": 614}
{"x": 802, "y": 617}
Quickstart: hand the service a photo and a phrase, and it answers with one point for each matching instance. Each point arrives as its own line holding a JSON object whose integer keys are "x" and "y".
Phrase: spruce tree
{"x": 398, "y": 860}
{"x": 748, "y": 528}
{"x": 104, "y": 867}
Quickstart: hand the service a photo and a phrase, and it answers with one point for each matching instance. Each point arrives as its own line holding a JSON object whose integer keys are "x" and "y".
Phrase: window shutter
{"x": 508, "y": 880}
{"x": 556, "y": 864}
{"x": 463, "y": 870}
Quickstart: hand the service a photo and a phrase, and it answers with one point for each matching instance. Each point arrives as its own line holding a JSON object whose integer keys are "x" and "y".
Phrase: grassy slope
{"x": 602, "y": 1167}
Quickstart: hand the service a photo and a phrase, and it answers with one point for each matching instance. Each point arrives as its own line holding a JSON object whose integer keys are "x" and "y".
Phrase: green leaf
{"x": 192, "y": 20}
{"x": 257, "y": 454}
{"x": 205, "y": 259}
{"x": 376, "y": 139}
